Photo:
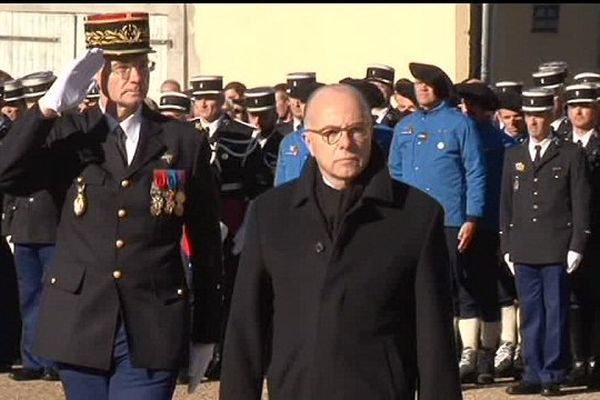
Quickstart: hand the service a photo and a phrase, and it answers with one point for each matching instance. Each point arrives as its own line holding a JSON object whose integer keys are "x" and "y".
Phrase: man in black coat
{"x": 344, "y": 277}
{"x": 545, "y": 226}
{"x": 114, "y": 311}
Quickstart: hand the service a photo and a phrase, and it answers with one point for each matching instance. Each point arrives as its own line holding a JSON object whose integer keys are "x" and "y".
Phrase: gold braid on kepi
{"x": 118, "y": 33}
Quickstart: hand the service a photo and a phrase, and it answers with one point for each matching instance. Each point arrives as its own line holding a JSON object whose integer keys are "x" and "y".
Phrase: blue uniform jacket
{"x": 439, "y": 151}
{"x": 293, "y": 152}
{"x": 494, "y": 141}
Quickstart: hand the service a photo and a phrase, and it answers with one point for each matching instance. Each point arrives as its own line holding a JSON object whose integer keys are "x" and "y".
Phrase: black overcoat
{"x": 367, "y": 315}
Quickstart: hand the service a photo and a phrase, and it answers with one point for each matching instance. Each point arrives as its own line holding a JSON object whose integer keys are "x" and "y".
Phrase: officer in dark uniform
{"x": 582, "y": 111}
{"x": 114, "y": 310}
{"x": 91, "y": 98}
{"x": 545, "y": 226}
{"x": 382, "y": 76}
{"x": 236, "y": 163}
{"x": 34, "y": 219}
{"x": 294, "y": 81}
{"x": 587, "y": 77}
{"x": 10, "y": 320}
{"x": 175, "y": 105}
{"x": 260, "y": 104}
{"x": 510, "y": 116}
{"x": 14, "y": 99}
{"x": 552, "y": 76}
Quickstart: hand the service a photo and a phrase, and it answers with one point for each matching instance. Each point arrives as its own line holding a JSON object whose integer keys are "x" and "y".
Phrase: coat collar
{"x": 379, "y": 186}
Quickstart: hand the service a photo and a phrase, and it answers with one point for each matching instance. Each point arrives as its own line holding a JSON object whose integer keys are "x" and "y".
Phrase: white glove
{"x": 573, "y": 261}
{"x": 224, "y": 231}
{"x": 71, "y": 87}
{"x": 511, "y": 265}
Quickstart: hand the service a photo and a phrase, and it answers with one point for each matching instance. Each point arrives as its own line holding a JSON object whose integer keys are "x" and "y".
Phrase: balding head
{"x": 339, "y": 129}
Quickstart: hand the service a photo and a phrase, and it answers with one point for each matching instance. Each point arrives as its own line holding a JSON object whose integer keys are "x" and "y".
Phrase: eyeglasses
{"x": 332, "y": 134}
{"x": 123, "y": 70}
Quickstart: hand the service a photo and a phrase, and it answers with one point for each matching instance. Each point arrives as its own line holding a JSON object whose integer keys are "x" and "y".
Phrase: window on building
{"x": 545, "y": 18}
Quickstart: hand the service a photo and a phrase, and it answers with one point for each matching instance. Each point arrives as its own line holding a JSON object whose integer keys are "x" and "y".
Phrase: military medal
{"x": 180, "y": 196}
{"x": 80, "y": 202}
{"x": 295, "y": 150}
{"x": 520, "y": 166}
{"x": 157, "y": 192}
{"x": 516, "y": 184}
{"x": 157, "y": 201}
{"x": 422, "y": 136}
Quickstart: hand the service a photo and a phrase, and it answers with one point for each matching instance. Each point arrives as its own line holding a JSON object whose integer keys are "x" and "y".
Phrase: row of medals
{"x": 163, "y": 201}
{"x": 166, "y": 201}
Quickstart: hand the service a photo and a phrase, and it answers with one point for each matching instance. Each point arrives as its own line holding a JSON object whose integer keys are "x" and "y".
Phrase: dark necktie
{"x": 580, "y": 143}
{"x": 538, "y": 154}
{"x": 121, "y": 139}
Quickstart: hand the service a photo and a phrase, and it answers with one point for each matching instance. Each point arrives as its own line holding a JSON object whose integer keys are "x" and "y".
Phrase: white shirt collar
{"x": 544, "y": 143}
{"x": 131, "y": 126}
{"x": 379, "y": 113}
{"x": 585, "y": 138}
{"x": 212, "y": 126}
{"x": 296, "y": 122}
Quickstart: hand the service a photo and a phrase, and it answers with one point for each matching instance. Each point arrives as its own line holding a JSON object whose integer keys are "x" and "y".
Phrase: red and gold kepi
{"x": 118, "y": 33}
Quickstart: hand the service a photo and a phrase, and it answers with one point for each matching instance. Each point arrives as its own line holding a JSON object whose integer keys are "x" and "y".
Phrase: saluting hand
{"x": 465, "y": 236}
{"x": 71, "y": 87}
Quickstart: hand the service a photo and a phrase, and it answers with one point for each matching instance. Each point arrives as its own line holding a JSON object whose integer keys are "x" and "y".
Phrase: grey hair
{"x": 364, "y": 106}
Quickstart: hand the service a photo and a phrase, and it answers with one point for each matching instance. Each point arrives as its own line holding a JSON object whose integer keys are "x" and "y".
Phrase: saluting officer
{"x": 545, "y": 226}
{"x": 34, "y": 218}
{"x": 114, "y": 311}
{"x": 582, "y": 111}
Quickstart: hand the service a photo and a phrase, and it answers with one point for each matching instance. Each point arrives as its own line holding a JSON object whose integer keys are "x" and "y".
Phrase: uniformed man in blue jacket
{"x": 479, "y": 102}
{"x": 438, "y": 150}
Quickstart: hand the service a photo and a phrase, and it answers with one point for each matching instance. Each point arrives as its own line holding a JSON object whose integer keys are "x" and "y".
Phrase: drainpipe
{"x": 186, "y": 44}
{"x": 485, "y": 41}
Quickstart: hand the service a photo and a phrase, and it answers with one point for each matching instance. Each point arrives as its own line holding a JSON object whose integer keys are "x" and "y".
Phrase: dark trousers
{"x": 474, "y": 276}
{"x": 10, "y": 320}
{"x": 122, "y": 382}
{"x": 32, "y": 261}
{"x": 543, "y": 293}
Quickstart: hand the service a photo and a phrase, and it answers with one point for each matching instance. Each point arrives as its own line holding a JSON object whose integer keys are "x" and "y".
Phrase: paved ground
{"x": 39, "y": 390}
